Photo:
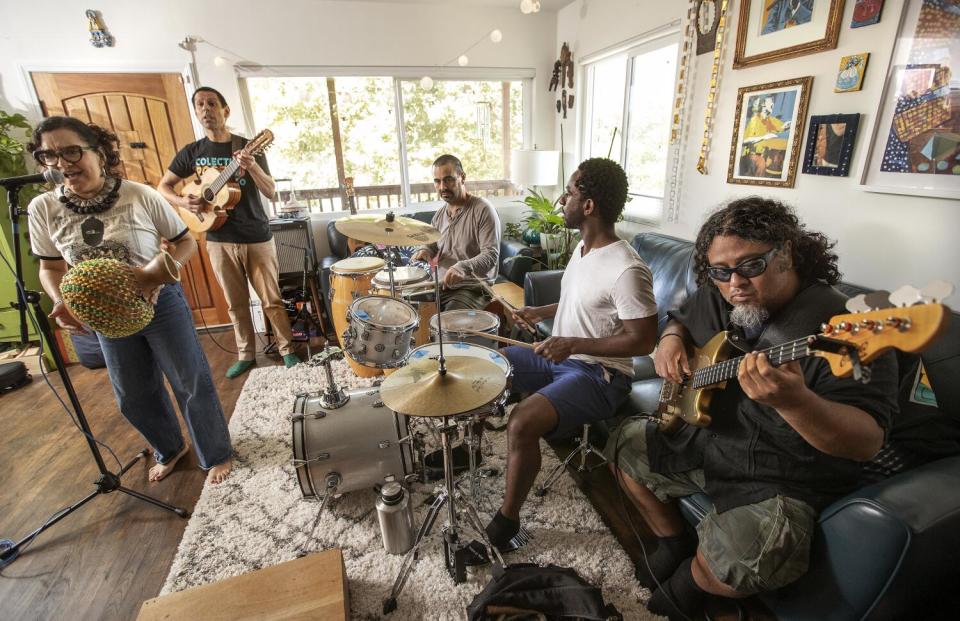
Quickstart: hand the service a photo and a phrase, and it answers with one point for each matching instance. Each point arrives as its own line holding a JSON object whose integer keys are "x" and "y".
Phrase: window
{"x": 362, "y": 137}
{"x": 631, "y": 93}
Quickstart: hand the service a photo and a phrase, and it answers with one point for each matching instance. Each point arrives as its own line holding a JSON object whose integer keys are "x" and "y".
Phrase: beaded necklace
{"x": 104, "y": 200}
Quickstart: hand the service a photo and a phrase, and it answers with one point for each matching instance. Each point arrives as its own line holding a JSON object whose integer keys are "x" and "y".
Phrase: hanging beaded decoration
{"x": 678, "y": 133}
{"x": 104, "y": 200}
{"x": 714, "y": 89}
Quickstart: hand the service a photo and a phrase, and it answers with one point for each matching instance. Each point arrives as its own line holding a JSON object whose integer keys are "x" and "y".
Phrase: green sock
{"x": 239, "y": 368}
{"x": 291, "y": 359}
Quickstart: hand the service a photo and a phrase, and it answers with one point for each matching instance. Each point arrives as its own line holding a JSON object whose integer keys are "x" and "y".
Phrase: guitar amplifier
{"x": 291, "y": 236}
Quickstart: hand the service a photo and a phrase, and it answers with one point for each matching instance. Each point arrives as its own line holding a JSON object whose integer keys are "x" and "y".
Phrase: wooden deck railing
{"x": 319, "y": 200}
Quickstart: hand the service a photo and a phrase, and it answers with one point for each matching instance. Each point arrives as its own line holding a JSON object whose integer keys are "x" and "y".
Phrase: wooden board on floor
{"x": 312, "y": 587}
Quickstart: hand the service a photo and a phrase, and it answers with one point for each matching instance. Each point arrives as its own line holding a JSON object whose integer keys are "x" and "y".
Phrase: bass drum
{"x": 359, "y": 442}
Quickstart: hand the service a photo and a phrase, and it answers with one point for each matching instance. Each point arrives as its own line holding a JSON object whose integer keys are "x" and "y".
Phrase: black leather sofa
{"x": 886, "y": 551}
{"x": 511, "y": 269}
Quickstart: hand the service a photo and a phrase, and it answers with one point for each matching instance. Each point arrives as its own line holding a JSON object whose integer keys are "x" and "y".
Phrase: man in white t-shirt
{"x": 606, "y": 315}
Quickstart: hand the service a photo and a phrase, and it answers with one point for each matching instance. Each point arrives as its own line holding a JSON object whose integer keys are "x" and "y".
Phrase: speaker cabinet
{"x": 291, "y": 236}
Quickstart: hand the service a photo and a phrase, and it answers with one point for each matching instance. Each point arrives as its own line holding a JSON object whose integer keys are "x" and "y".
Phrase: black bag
{"x": 528, "y": 591}
{"x": 13, "y": 375}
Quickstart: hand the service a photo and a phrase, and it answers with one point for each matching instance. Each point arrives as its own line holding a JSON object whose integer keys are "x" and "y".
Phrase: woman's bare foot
{"x": 159, "y": 471}
{"x": 218, "y": 474}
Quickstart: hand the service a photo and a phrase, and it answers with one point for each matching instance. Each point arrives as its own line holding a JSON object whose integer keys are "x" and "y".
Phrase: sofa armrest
{"x": 542, "y": 288}
{"x": 515, "y": 260}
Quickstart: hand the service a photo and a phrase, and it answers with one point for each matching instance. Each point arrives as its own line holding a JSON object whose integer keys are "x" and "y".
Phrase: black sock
{"x": 670, "y": 552}
{"x": 679, "y": 597}
{"x": 502, "y": 529}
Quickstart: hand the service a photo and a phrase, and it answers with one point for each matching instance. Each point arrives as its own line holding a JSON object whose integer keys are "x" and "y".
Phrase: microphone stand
{"x": 13, "y": 202}
{"x": 108, "y": 481}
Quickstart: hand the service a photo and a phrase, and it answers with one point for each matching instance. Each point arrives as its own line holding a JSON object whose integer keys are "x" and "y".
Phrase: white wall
{"x": 884, "y": 241}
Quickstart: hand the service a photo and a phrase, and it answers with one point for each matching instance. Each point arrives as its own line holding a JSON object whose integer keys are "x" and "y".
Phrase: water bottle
{"x": 395, "y": 515}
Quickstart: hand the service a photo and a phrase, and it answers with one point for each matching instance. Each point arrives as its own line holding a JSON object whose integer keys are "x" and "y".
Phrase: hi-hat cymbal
{"x": 388, "y": 230}
{"x": 418, "y": 389}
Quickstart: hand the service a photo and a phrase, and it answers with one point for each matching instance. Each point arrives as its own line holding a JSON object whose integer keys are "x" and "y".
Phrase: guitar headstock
{"x": 870, "y": 333}
{"x": 260, "y": 143}
{"x": 348, "y": 186}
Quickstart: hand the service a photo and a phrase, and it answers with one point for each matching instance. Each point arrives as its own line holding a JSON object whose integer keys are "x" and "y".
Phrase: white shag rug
{"x": 258, "y": 518}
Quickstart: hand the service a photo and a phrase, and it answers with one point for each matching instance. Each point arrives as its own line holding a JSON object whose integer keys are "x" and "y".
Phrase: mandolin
{"x": 218, "y": 190}
{"x": 848, "y": 342}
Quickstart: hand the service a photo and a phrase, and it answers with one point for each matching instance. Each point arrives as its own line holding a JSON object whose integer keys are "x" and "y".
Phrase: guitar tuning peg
{"x": 856, "y": 304}
{"x": 905, "y": 296}
{"x": 877, "y": 299}
{"x": 936, "y": 291}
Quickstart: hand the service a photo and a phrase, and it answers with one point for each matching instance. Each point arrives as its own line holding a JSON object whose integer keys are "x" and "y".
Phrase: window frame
{"x": 658, "y": 38}
{"x": 397, "y": 75}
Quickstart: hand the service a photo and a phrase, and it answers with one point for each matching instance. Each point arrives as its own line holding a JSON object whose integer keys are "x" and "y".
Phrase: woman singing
{"x": 97, "y": 214}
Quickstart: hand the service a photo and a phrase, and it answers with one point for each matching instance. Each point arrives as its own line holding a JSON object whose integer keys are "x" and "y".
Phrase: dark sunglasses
{"x": 71, "y": 155}
{"x": 750, "y": 268}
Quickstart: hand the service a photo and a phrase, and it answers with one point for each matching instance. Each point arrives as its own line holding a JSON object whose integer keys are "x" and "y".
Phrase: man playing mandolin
{"x": 784, "y": 441}
{"x": 240, "y": 250}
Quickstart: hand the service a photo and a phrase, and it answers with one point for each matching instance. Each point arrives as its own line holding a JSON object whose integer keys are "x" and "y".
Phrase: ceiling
{"x": 546, "y": 5}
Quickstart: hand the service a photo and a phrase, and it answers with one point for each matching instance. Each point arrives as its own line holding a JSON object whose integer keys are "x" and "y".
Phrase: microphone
{"x": 50, "y": 175}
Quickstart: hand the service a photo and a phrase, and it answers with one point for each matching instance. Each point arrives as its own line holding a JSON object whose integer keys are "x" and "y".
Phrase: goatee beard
{"x": 748, "y": 316}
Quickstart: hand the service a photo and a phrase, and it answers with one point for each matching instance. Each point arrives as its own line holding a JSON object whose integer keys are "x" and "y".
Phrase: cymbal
{"x": 377, "y": 229}
{"x": 418, "y": 389}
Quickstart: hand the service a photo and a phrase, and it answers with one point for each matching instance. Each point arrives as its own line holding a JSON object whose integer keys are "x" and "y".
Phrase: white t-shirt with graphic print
{"x": 601, "y": 290}
{"x": 130, "y": 231}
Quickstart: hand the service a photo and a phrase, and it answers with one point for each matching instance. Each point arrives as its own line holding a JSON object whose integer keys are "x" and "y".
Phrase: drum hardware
{"x": 333, "y": 397}
{"x": 333, "y": 481}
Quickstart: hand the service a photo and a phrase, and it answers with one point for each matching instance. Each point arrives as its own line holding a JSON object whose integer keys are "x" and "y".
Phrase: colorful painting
{"x": 769, "y": 130}
{"x": 850, "y": 75}
{"x": 778, "y": 15}
{"x": 866, "y": 13}
{"x": 924, "y": 136}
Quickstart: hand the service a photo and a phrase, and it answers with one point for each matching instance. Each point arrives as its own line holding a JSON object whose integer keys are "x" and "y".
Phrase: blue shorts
{"x": 579, "y": 391}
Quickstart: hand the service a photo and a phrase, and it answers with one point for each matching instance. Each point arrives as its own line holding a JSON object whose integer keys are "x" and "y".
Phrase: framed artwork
{"x": 772, "y": 30}
{"x": 915, "y": 146}
{"x": 830, "y": 140}
{"x": 850, "y": 75}
{"x": 768, "y": 132}
{"x": 708, "y": 18}
{"x": 866, "y": 13}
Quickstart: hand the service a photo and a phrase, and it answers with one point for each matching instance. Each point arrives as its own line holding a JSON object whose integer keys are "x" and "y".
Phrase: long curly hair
{"x": 765, "y": 220}
{"x": 604, "y": 181}
{"x": 105, "y": 141}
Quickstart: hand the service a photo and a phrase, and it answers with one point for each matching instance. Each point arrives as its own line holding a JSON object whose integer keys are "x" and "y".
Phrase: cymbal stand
{"x": 454, "y": 549}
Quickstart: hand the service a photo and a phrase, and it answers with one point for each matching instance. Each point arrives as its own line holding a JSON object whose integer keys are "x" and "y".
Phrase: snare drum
{"x": 477, "y": 320}
{"x": 381, "y": 330}
{"x": 351, "y": 279}
{"x": 459, "y": 348}
{"x": 360, "y": 442}
{"x": 408, "y": 281}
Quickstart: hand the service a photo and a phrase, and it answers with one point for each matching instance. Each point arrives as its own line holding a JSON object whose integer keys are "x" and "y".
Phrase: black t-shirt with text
{"x": 247, "y": 222}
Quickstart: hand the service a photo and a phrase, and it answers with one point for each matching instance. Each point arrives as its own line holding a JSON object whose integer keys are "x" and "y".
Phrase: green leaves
{"x": 542, "y": 217}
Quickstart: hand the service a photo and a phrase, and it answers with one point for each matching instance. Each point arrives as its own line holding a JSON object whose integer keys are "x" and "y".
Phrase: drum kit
{"x": 360, "y": 439}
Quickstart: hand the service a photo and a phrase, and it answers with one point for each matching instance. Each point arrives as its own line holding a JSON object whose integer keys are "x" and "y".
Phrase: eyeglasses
{"x": 750, "y": 268}
{"x": 70, "y": 155}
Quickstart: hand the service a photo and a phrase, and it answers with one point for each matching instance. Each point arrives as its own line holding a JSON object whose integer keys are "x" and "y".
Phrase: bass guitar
{"x": 848, "y": 342}
{"x": 218, "y": 191}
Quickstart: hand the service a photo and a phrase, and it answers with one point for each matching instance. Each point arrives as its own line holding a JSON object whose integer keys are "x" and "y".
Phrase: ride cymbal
{"x": 419, "y": 389}
{"x": 388, "y": 230}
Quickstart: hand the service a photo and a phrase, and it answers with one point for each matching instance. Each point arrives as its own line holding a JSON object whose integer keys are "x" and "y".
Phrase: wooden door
{"x": 151, "y": 117}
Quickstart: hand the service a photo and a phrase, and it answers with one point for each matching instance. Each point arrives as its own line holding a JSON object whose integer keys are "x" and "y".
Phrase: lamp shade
{"x": 530, "y": 167}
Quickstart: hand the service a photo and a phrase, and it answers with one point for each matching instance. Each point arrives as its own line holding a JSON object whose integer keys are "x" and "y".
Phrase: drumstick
{"x": 523, "y": 322}
{"x": 494, "y": 337}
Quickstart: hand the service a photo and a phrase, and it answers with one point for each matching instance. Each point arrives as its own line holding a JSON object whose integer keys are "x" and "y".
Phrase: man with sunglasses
{"x": 784, "y": 441}
{"x": 469, "y": 247}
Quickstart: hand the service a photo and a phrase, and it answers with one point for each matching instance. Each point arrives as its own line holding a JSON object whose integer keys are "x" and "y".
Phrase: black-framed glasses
{"x": 71, "y": 155}
{"x": 750, "y": 268}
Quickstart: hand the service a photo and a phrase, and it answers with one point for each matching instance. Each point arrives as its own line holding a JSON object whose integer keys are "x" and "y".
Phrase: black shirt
{"x": 749, "y": 453}
{"x": 247, "y": 222}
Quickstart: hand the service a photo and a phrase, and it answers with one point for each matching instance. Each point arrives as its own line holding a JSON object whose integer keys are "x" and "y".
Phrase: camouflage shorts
{"x": 751, "y": 548}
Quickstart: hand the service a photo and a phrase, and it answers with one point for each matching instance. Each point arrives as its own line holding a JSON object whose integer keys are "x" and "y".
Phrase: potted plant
{"x": 556, "y": 239}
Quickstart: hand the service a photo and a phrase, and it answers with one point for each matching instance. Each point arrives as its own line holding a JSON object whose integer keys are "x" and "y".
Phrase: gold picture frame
{"x": 766, "y": 36}
{"x": 768, "y": 132}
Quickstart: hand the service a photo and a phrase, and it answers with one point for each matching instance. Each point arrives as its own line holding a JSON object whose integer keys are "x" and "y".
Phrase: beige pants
{"x": 234, "y": 265}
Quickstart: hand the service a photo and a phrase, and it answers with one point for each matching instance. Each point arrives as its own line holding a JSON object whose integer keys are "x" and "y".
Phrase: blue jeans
{"x": 168, "y": 346}
{"x": 582, "y": 393}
